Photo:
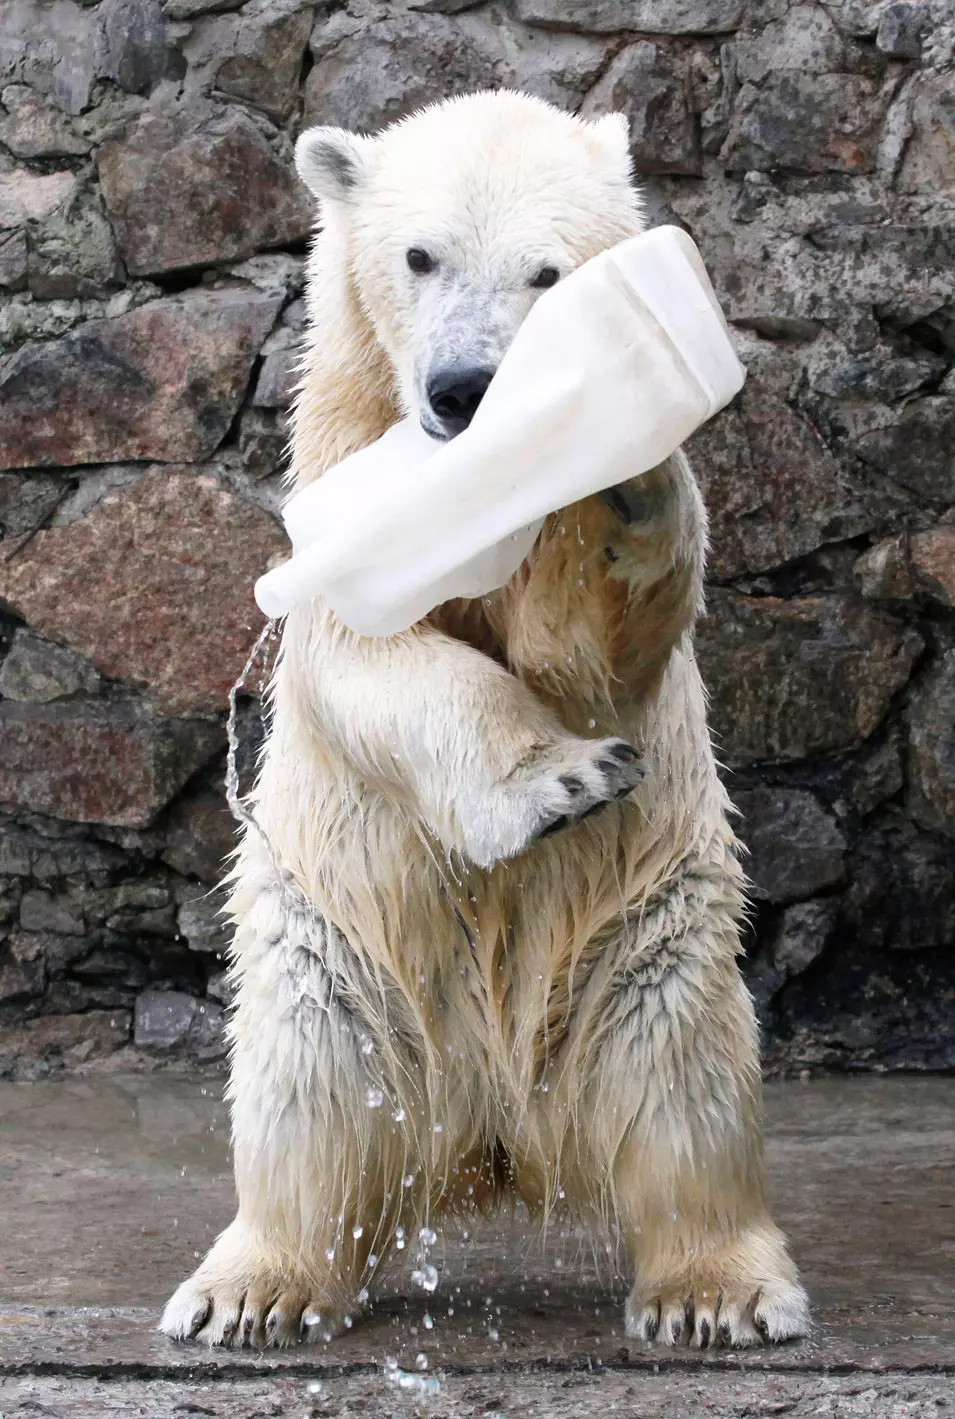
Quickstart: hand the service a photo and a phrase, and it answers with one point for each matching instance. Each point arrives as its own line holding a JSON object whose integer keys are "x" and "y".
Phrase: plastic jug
{"x": 611, "y": 371}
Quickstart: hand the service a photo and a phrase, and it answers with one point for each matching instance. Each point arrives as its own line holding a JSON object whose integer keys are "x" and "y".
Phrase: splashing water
{"x": 426, "y": 1386}
{"x": 426, "y": 1276}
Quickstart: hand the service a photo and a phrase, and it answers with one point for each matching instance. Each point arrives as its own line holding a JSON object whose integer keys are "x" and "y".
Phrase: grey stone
{"x": 802, "y": 39}
{"x": 279, "y": 375}
{"x": 202, "y": 923}
{"x": 917, "y": 449}
{"x": 796, "y": 848}
{"x": 877, "y": 374}
{"x": 53, "y": 46}
{"x": 883, "y": 572}
{"x": 801, "y": 935}
{"x": 254, "y": 55}
{"x": 263, "y": 443}
{"x": 677, "y": 17}
{"x": 37, "y": 671}
{"x": 20, "y": 981}
{"x": 901, "y": 895}
{"x": 13, "y": 260}
{"x": 48, "y": 1043}
{"x": 35, "y": 128}
{"x": 370, "y": 76}
{"x": 138, "y": 52}
{"x": 200, "y": 834}
{"x": 29, "y": 197}
{"x": 807, "y": 123}
{"x": 42, "y": 911}
{"x": 230, "y": 192}
{"x": 900, "y": 31}
{"x": 188, "y": 9}
{"x": 792, "y": 679}
{"x": 652, "y": 87}
{"x": 928, "y": 163}
{"x": 168, "y": 1020}
{"x": 72, "y": 253}
{"x": 773, "y": 489}
{"x": 859, "y": 18}
{"x": 879, "y": 776}
{"x": 931, "y": 721}
{"x": 221, "y": 987}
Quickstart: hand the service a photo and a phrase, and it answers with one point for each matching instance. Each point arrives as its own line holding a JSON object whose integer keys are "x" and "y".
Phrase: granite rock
{"x": 796, "y": 848}
{"x": 230, "y": 192}
{"x": 667, "y": 17}
{"x": 931, "y": 721}
{"x": 95, "y": 762}
{"x": 171, "y": 605}
{"x": 795, "y": 679}
{"x": 653, "y": 88}
{"x": 163, "y": 381}
{"x": 773, "y": 489}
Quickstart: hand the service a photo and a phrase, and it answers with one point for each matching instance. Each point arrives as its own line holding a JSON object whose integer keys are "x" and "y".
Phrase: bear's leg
{"x": 452, "y": 734}
{"x": 319, "y": 1163}
{"x": 670, "y": 1139}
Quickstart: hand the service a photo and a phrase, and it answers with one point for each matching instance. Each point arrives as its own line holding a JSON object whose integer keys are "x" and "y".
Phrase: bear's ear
{"x": 613, "y": 133}
{"x": 332, "y": 162}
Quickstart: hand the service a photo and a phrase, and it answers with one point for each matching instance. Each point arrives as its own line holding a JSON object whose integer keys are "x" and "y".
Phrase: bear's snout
{"x": 454, "y": 394}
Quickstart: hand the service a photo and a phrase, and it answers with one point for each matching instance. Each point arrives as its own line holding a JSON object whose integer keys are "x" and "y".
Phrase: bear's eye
{"x": 546, "y": 276}
{"x": 419, "y": 261}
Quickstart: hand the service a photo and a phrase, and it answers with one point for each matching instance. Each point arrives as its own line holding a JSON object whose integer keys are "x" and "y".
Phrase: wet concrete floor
{"x": 110, "y": 1188}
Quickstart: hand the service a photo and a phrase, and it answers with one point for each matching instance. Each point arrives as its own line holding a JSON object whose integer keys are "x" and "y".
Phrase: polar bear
{"x": 487, "y": 922}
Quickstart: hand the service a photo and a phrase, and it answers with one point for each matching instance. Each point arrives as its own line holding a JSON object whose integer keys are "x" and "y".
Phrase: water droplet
{"x": 330, "y": 1254}
{"x": 407, "y": 1180}
{"x": 428, "y": 1322}
{"x": 426, "y": 1277}
{"x": 421, "y": 1361}
{"x": 367, "y": 1046}
{"x": 591, "y": 724}
{"x": 493, "y": 1334}
{"x": 363, "y": 1295}
{"x": 427, "y": 1236}
{"x": 357, "y": 1231}
{"x": 399, "y": 1115}
{"x": 372, "y": 1261}
{"x": 374, "y": 1098}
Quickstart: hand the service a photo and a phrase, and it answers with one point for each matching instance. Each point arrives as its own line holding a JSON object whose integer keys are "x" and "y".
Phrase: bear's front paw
{"x": 557, "y": 788}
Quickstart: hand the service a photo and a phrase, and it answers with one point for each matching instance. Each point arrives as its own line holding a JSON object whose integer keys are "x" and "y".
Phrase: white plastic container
{"x": 611, "y": 371}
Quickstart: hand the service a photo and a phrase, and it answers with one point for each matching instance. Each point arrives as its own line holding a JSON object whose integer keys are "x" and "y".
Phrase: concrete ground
{"x": 112, "y": 1187}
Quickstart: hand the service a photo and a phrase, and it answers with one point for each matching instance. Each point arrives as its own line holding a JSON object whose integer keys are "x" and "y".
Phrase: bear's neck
{"x": 346, "y": 398}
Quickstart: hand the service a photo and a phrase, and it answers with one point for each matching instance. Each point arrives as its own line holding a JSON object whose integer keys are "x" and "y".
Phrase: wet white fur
{"x": 567, "y": 1012}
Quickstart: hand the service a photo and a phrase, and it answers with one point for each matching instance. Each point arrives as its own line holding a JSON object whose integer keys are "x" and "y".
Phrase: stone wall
{"x": 151, "y": 244}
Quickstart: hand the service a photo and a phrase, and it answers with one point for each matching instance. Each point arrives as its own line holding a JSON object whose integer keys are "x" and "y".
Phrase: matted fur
{"x": 561, "y": 1018}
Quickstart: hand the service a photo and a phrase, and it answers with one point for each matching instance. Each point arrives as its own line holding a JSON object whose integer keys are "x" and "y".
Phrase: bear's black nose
{"x": 454, "y": 394}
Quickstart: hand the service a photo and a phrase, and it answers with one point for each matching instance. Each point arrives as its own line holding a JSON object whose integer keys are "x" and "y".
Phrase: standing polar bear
{"x": 454, "y": 977}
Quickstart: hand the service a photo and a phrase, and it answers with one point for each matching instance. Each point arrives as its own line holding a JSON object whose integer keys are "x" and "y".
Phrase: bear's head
{"x": 452, "y": 222}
